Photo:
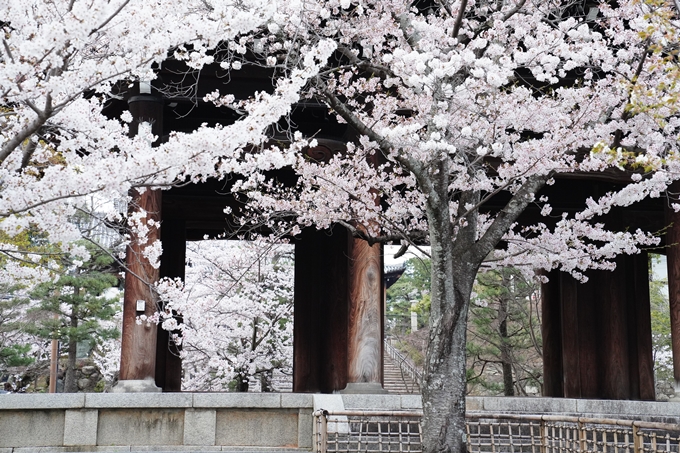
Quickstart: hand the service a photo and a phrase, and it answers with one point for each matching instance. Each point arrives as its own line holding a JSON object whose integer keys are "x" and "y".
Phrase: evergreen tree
{"x": 504, "y": 333}
{"x": 75, "y": 308}
{"x": 15, "y": 348}
{"x": 26, "y": 254}
{"x": 412, "y": 287}
{"x": 503, "y": 327}
{"x": 661, "y": 322}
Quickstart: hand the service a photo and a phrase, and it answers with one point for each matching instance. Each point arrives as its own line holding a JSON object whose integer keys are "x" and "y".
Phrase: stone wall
{"x": 165, "y": 421}
{"x": 231, "y": 421}
{"x": 650, "y": 411}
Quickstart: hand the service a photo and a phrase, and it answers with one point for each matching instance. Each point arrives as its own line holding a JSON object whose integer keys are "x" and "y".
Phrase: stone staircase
{"x": 397, "y": 381}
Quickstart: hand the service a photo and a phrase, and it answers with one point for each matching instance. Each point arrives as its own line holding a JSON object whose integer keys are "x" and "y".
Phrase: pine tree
{"x": 15, "y": 350}
{"x": 504, "y": 333}
{"x": 75, "y": 308}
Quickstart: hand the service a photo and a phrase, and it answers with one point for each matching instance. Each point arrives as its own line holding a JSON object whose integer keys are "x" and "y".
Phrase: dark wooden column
{"x": 321, "y": 311}
{"x": 168, "y": 362}
{"x": 338, "y": 331}
{"x": 365, "y": 313}
{"x": 640, "y": 323}
{"x": 597, "y": 335}
{"x": 673, "y": 263}
{"x": 551, "y": 330}
{"x": 138, "y": 348}
{"x": 613, "y": 330}
{"x": 571, "y": 365}
{"x": 138, "y": 345}
{"x": 588, "y": 303}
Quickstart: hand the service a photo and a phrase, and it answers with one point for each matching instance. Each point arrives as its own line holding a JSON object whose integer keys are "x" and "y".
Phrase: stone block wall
{"x": 152, "y": 421}
{"x": 124, "y": 422}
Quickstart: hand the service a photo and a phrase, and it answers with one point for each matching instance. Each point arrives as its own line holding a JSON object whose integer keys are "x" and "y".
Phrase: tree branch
{"x": 380, "y": 70}
{"x": 31, "y": 129}
{"x": 110, "y": 18}
{"x": 459, "y": 19}
{"x": 509, "y": 214}
{"x": 618, "y": 135}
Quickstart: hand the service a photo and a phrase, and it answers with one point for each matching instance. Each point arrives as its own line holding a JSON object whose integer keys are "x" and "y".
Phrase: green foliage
{"x": 28, "y": 247}
{"x": 504, "y": 343}
{"x": 412, "y": 287}
{"x": 661, "y": 325}
{"x": 503, "y": 327}
{"x": 101, "y": 385}
{"x": 16, "y": 355}
{"x": 15, "y": 345}
{"x": 72, "y": 308}
{"x": 411, "y": 351}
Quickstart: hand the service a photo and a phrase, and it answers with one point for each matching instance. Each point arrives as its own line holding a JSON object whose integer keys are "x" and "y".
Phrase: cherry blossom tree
{"x": 60, "y": 64}
{"x": 463, "y": 111}
{"x": 233, "y": 317}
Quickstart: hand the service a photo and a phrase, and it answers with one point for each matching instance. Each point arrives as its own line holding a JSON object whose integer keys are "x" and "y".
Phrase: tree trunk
{"x": 453, "y": 273}
{"x": 241, "y": 381}
{"x": 266, "y": 381}
{"x": 445, "y": 379}
{"x": 506, "y": 356}
{"x": 70, "y": 385}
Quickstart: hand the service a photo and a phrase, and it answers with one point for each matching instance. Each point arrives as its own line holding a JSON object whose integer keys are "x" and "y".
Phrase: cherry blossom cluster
{"x": 524, "y": 91}
{"x": 233, "y": 315}
{"x": 59, "y": 64}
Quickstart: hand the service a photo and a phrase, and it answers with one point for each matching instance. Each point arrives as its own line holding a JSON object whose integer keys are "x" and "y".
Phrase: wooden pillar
{"x": 640, "y": 322}
{"x": 551, "y": 330}
{"x": 338, "y": 330}
{"x": 589, "y": 342}
{"x": 168, "y": 361}
{"x": 365, "y": 329}
{"x": 138, "y": 345}
{"x": 673, "y": 263}
{"x": 320, "y": 311}
{"x": 570, "y": 345}
{"x": 614, "y": 332}
{"x": 597, "y": 335}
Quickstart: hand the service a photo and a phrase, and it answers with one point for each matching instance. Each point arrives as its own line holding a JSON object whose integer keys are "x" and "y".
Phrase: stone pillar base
{"x": 136, "y": 386}
{"x": 363, "y": 388}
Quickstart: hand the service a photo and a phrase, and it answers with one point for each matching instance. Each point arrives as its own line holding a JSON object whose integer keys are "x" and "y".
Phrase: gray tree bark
{"x": 70, "y": 384}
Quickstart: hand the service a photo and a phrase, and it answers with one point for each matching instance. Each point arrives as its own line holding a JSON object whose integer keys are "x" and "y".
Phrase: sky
{"x": 390, "y": 250}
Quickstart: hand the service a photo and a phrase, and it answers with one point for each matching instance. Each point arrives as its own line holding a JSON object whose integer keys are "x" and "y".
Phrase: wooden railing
{"x": 367, "y": 431}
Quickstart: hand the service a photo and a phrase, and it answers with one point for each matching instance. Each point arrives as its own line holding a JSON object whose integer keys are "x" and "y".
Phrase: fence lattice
{"x": 399, "y": 431}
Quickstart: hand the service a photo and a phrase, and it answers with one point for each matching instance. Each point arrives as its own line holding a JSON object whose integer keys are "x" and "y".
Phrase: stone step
{"x": 395, "y": 381}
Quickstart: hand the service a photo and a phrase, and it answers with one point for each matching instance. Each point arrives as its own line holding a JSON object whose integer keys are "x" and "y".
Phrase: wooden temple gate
{"x": 338, "y": 303}
{"x": 596, "y": 336}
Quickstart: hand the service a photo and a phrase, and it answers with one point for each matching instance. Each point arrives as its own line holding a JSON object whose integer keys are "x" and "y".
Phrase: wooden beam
{"x": 640, "y": 322}
{"x": 138, "y": 343}
{"x": 307, "y": 350}
{"x": 614, "y": 327}
{"x": 320, "y": 311}
{"x": 589, "y": 360}
{"x": 570, "y": 345}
